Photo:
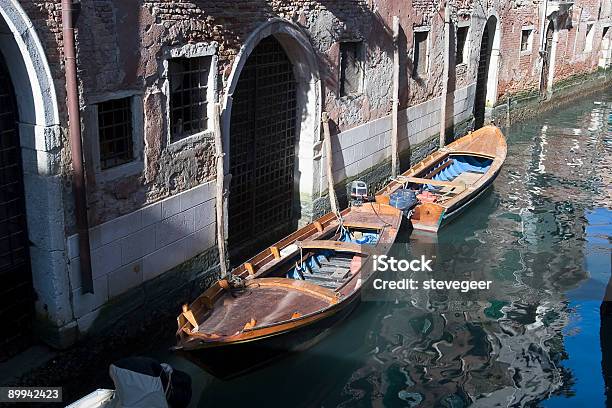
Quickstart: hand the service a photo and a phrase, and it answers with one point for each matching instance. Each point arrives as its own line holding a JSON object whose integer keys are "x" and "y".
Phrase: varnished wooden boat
{"x": 289, "y": 295}
{"x": 452, "y": 177}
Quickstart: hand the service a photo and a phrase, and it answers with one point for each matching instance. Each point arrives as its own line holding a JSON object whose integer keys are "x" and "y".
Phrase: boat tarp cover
{"x": 138, "y": 384}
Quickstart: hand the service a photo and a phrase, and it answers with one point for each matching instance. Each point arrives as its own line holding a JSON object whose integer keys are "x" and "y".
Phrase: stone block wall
{"x": 520, "y": 71}
{"x": 121, "y": 45}
{"x": 142, "y": 245}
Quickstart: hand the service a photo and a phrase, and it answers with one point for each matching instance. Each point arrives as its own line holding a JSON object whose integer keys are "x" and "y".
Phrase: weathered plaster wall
{"x": 121, "y": 44}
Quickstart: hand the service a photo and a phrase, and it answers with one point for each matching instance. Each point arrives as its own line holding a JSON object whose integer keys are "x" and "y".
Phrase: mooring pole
{"x": 508, "y": 112}
{"x": 394, "y": 138}
{"x": 447, "y": 17}
{"x": 333, "y": 201}
{"x": 220, "y": 191}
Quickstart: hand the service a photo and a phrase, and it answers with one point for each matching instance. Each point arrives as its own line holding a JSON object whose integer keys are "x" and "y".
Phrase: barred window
{"x": 462, "y": 33}
{"x": 420, "y": 54}
{"x": 115, "y": 132}
{"x": 188, "y": 96}
{"x": 351, "y": 68}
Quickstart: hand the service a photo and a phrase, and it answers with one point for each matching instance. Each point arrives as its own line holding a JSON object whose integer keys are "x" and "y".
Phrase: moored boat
{"x": 443, "y": 184}
{"x": 289, "y": 296}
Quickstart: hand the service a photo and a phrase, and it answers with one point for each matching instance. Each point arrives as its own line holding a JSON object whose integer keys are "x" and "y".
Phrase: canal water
{"x": 543, "y": 234}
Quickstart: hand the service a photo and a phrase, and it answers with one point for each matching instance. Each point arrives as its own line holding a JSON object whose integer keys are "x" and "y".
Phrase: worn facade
{"x": 150, "y": 73}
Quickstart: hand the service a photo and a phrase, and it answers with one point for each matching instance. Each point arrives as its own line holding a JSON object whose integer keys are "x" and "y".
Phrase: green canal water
{"x": 543, "y": 234}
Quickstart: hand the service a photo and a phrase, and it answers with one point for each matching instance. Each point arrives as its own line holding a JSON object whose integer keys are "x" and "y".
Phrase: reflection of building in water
{"x": 605, "y": 334}
{"x": 460, "y": 357}
{"x": 450, "y": 349}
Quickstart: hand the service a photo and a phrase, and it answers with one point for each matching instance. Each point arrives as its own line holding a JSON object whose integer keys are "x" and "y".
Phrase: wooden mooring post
{"x": 333, "y": 201}
{"x": 220, "y": 191}
{"x": 445, "y": 72}
{"x": 394, "y": 114}
{"x": 508, "y": 104}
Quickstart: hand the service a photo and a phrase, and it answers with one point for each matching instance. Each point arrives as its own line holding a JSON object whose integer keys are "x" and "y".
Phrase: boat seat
{"x": 466, "y": 178}
{"x": 419, "y": 180}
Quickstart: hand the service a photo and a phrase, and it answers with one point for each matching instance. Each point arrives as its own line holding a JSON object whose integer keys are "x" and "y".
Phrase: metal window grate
{"x": 262, "y": 146}
{"x": 16, "y": 295}
{"x": 188, "y": 96}
{"x": 115, "y": 132}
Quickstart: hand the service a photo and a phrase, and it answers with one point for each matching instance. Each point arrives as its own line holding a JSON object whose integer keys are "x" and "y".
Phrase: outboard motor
{"x": 359, "y": 193}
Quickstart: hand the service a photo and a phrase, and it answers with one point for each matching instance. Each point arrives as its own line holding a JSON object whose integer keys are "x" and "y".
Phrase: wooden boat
{"x": 290, "y": 295}
{"x": 451, "y": 178}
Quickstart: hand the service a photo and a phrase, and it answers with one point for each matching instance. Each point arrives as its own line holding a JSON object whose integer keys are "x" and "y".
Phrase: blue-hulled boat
{"x": 448, "y": 180}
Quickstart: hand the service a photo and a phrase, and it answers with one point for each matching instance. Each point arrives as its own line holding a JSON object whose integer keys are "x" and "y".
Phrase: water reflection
{"x": 543, "y": 234}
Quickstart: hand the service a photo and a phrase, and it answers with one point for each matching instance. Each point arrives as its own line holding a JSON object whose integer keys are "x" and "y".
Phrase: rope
{"x": 236, "y": 283}
{"x": 385, "y": 223}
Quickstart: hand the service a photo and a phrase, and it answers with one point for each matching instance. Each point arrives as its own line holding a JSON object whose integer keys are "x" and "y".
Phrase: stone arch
{"x": 40, "y": 138}
{"x": 308, "y": 91}
{"x": 493, "y": 73}
{"x": 548, "y": 66}
{"x": 488, "y": 68}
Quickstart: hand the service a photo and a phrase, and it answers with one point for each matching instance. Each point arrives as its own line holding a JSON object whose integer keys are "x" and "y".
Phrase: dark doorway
{"x": 546, "y": 61}
{"x": 262, "y": 151}
{"x": 480, "y": 98}
{"x": 16, "y": 294}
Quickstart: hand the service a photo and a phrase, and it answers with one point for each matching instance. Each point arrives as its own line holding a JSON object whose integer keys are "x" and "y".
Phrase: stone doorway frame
{"x": 306, "y": 70}
{"x": 546, "y": 84}
{"x": 41, "y": 144}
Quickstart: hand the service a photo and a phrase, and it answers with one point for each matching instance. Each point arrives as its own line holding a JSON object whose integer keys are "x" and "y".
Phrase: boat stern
{"x": 428, "y": 217}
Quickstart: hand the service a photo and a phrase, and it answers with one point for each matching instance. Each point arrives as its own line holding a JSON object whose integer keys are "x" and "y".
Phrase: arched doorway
{"x": 483, "y": 79}
{"x": 16, "y": 294}
{"x": 546, "y": 62}
{"x": 262, "y": 149}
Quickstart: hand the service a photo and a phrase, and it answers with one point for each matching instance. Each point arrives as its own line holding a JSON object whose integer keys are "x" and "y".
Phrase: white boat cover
{"x": 136, "y": 390}
{"x": 141, "y": 382}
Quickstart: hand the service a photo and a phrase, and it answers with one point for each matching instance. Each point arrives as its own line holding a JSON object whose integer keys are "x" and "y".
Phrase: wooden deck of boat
{"x": 265, "y": 304}
{"x": 482, "y": 142}
{"x": 369, "y": 216}
{"x": 466, "y": 179}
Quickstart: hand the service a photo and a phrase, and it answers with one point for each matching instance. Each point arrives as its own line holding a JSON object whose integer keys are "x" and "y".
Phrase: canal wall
{"x": 528, "y": 104}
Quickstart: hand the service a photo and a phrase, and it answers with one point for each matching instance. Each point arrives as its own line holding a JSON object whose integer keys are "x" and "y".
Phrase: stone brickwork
{"x": 142, "y": 245}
